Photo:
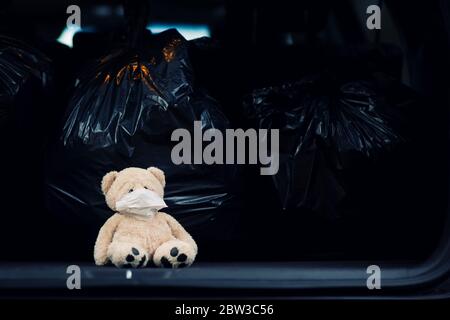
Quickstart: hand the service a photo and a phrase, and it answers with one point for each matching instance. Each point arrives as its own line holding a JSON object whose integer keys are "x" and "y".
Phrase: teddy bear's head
{"x": 133, "y": 187}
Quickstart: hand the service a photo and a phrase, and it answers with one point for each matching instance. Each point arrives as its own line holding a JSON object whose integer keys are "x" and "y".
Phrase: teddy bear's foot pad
{"x": 174, "y": 254}
{"x": 129, "y": 257}
{"x": 166, "y": 263}
{"x": 133, "y": 258}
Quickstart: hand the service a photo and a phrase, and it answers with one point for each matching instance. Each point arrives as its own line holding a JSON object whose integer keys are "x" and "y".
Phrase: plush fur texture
{"x": 129, "y": 240}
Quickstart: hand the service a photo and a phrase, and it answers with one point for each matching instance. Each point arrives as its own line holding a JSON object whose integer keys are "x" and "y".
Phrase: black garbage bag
{"x": 122, "y": 114}
{"x": 25, "y": 75}
{"x": 25, "y": 91}
{"x": 327, "y": 127}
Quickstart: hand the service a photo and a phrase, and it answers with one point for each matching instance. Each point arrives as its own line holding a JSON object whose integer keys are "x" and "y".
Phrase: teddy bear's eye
{"x": 131, "y": 190}
{"x": 145, "y": 188}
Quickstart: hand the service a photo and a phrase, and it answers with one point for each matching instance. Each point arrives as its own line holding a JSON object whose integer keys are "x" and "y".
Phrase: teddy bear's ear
{"x": 159, "y": 174}
{"x": 108, "y": 180}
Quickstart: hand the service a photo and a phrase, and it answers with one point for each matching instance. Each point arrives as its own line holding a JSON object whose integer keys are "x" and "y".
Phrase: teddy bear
{"x": 138, "y": 234}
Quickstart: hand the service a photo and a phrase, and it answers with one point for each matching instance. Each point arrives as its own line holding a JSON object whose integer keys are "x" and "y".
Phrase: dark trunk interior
{"x": 394, "y": 207}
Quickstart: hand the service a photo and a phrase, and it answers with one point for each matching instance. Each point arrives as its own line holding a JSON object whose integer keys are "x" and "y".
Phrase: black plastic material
{"x": 25, "y": 88}
{"x": 122, "y": 113}
{"x": 20, "y": 65}
{"x": 326, "y": 126}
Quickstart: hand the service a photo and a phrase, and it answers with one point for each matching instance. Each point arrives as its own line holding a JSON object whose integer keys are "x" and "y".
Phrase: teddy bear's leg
{"x": 174, "y": 254}
{"x": 127, "y": 255}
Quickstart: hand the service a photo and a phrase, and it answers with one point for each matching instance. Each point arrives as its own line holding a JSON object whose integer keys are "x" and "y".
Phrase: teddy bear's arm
{"x": 178, "y": 231}
{"x": 104, "y": 238}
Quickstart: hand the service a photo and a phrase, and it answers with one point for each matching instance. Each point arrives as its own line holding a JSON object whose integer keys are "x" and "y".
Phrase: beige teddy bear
{"x": 138, "y": 232}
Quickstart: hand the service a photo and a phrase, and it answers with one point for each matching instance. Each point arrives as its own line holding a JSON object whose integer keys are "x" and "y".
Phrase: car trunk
{"x": 394, "y": 211}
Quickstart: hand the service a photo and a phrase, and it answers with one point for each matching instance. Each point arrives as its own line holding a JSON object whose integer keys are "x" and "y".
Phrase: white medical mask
{"x": 141, "y": 202}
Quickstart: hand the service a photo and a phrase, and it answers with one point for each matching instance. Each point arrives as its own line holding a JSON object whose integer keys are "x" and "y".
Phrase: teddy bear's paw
{"x": 174, "y": 254}
{"x": 135, "y": 259}
{"x": 128, "y": 256}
